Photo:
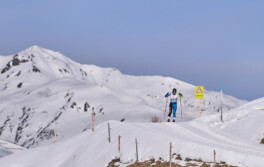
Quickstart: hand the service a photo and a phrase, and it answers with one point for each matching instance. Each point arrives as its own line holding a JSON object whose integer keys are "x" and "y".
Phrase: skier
{"x": 173, "y": 103}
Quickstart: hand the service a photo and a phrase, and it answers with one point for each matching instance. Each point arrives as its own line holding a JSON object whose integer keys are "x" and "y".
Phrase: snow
{"x": 188, "y": 140}
{"x": 7, "y": 148}
{"x": 246, "y": 118}
{"x": 54, "y": 98}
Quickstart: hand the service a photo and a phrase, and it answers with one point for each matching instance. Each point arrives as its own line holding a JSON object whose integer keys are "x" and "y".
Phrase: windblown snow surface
{"x": 42, "y": 91}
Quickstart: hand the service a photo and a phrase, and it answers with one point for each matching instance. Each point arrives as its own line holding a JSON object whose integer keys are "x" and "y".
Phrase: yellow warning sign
{"x": 199, "y": 92}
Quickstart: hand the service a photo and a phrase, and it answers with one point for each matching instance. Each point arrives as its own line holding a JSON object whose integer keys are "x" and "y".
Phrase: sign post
{"x": 199, "y": 94}
{"x": 199, "y": 107}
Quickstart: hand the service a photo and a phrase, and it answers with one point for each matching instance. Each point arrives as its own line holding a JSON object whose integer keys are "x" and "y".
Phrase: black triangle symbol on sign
{"x": 199, "y": 90}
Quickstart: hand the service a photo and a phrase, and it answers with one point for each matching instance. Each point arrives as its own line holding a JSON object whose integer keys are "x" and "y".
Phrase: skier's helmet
{"x": 174, "y": 90}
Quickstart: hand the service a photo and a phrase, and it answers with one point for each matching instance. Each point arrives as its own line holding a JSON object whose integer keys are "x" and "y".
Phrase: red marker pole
{"x": 119, "y": 137}
{"x": 165, "y": 108}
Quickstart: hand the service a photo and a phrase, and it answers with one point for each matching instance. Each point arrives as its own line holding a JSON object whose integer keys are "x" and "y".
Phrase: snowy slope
{"x": 244, "y": 123}
{"x": 4, "y": 152}
{"x": 42, "y": 91}
{"x": 7, "y": 148}
{"x": 195, "y": 139}
{"x": 236, "y": 141}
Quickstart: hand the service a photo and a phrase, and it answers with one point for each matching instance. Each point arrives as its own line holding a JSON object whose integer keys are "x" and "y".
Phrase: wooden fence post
{"x": 214, "y": 158}
{"x": 119, "y": 138}
{"x": 136, "y": 149}
{"x": 93, "y": 122}
{"x": 55, "y": 135}
{"x": 170, "y": 153}
{"x": 109, "y": 135}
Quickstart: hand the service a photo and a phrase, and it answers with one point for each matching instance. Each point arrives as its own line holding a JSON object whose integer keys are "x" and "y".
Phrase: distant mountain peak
{"x": 45, "y": 63}
{"x": 35, "y": 47}
{"x": 39, "y": 51}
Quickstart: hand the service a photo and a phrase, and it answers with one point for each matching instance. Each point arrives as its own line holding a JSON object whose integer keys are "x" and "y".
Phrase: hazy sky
{"x": 203, "y": 42}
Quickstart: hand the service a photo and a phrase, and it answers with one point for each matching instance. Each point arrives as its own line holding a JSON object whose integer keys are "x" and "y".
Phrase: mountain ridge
{"x": 42, "y": 90}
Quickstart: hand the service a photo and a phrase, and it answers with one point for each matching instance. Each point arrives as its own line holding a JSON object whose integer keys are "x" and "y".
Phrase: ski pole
{"x": 165, "y": 108}
{"x": 181, "y": 107}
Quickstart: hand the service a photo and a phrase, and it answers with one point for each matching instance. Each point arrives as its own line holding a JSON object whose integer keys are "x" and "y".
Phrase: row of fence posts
{"x": 119, "y": 146}
{"x": 119, "y": 142}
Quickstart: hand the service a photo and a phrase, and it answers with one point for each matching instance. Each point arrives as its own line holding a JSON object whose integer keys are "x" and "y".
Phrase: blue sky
{"x": 202, "y": 42}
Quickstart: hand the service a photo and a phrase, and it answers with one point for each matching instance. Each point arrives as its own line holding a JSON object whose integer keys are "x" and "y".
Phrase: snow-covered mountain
{"x": 42, "y": 91}
{"x": 236, "y": 141}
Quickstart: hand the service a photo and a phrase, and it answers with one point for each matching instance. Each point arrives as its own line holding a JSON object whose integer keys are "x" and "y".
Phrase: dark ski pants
{"x": 173, "y": 106}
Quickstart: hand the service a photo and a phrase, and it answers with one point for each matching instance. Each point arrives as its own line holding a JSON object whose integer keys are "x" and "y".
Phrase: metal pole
{"x": 165, "y": 108}
{"x": 221, "y": 103}
{"x": 181, "y": 108}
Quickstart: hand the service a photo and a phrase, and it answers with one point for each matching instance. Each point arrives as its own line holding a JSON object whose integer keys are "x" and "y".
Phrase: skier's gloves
{"x": 180, "y": 94}
{"x": 167, "y": 94}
